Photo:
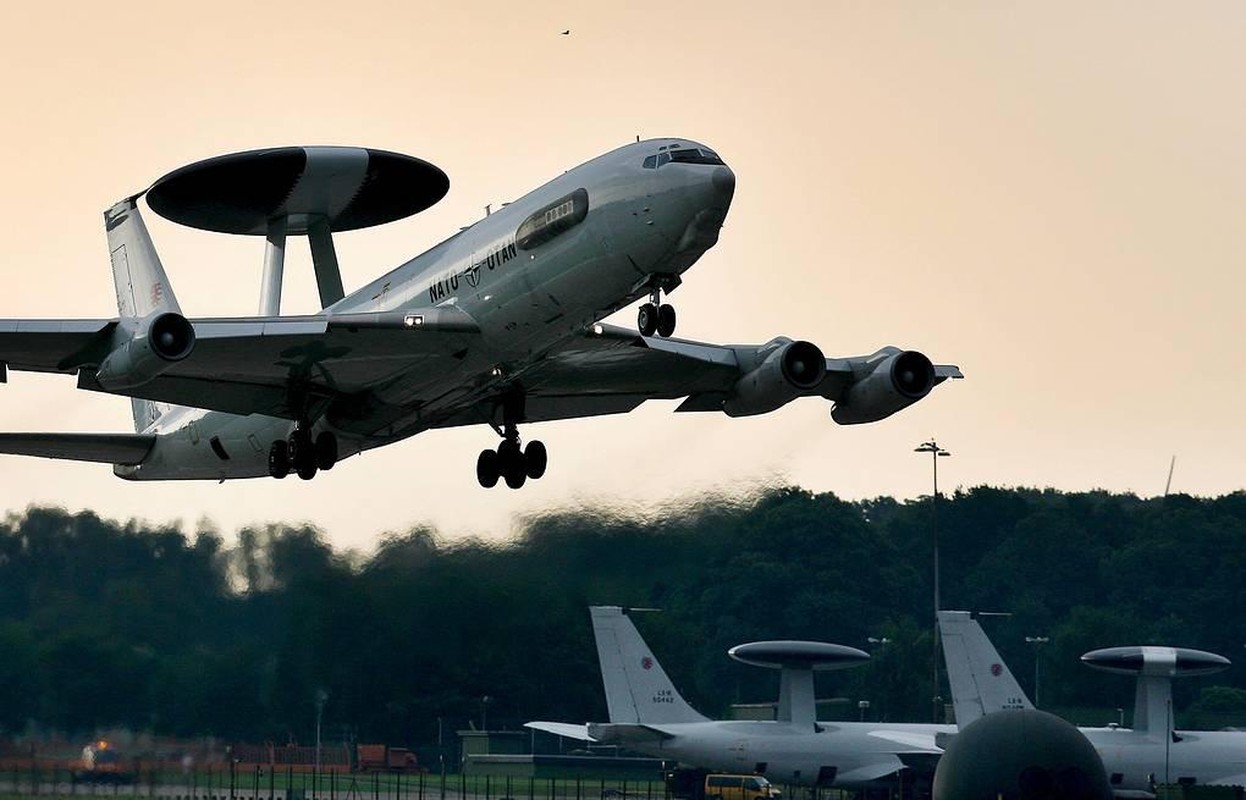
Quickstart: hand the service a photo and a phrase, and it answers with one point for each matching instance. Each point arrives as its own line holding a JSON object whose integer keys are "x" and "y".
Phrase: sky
{"x": 1046, "y": 194}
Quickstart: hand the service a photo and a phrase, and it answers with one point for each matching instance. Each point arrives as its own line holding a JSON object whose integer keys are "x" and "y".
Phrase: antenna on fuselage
{"x": 307, "y": 191}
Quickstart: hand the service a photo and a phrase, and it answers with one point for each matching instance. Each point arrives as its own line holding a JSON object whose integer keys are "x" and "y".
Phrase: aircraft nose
{"x": 724, "y": 181}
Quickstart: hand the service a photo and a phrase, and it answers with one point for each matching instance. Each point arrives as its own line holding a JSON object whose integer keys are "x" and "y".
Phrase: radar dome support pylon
{"x": 309, "y": 191}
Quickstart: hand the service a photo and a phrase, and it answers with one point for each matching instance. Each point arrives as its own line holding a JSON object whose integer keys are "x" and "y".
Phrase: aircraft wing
{"x": 613, "y": 370}
{"x": 563, "y": 729}
{"x": 909, "y": 742}
{"x": 884, "y": 766}
{"x": 252, "y": 365}
{"x": 279, "y": 366}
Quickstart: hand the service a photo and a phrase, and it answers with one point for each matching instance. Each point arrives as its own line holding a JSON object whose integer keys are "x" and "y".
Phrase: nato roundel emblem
{"x": 646, "y": 662}
{"x": 996, "y": 670}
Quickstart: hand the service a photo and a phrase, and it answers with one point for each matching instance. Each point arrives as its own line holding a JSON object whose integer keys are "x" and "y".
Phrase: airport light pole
{"x": 321, "y": 698}
{"x": 936, "y": 452}
{"x": 1037, "y": 641}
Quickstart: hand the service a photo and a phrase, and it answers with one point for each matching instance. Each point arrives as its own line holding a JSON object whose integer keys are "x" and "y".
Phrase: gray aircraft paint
{"x": 497, "y": 306}
{"x": 982, "y": 683}
{"x": 648, "y": 714}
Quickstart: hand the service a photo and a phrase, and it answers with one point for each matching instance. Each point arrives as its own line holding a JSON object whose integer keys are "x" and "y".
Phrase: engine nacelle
{"x": 159, "y": 342}
{"x": 898, "y": 379}
{"x": 790, "y": 370}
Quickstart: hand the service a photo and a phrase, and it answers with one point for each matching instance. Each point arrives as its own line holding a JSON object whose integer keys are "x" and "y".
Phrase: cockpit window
{"x": 695, "y": 156}
{"x": 688, "y": 155}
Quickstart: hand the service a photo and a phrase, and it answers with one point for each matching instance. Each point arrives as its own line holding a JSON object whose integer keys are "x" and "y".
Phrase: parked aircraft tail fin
{"x": 981, "y": 682}
{"x": 637, "y": 688}
{"x": 142, "y": 286}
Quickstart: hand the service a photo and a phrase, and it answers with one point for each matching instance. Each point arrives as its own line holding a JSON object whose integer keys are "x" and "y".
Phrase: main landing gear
{"x": 656, "y": 316}
{"x": 511, "y": 463}
{"x": 302, "y": 454}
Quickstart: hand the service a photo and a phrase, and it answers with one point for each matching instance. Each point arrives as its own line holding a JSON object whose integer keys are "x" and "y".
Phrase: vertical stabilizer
{"x": 637, "y": 688}
{"x": 981, "y": 682}
{"x": 141, "y": 284}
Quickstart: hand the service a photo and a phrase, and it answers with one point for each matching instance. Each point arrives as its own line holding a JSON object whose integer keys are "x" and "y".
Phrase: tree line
{"x": 105, "y": 624}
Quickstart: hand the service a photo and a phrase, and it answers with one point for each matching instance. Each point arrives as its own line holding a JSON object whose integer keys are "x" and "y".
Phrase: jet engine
{"x": 788, "y": 370}
{"x": 158, "y": 342}
{"x": 896, "y": 379}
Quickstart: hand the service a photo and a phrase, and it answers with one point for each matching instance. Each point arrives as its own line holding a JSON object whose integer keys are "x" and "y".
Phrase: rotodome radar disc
{"x": 349, "y": 187}
{"x": 791, "y": 654}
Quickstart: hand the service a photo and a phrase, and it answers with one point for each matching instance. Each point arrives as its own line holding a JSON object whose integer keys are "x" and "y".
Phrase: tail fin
{"x": 981, "y": 682}
{"x": 141, "y": 284}
{"x": 637, "y": 688}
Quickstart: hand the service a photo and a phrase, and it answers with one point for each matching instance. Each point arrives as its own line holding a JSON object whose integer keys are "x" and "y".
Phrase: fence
{"x": 224, "y": 782}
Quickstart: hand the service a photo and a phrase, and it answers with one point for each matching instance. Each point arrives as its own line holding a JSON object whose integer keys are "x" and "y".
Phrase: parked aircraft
{"x": 648, "y": 715}
{"x": 497, "y": 325}
{"x": 1135, "y": 759}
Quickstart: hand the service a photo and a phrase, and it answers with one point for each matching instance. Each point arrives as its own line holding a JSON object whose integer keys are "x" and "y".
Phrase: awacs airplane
{"x": 648, "y": 715}
{"x": 1136, "y": 759}
{"x": 497, "y": 325}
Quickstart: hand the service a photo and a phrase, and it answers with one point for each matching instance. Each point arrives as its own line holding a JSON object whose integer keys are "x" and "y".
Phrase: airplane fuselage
{"x": 532, "y": 275}
{"x": 842, "y": 754}
{"x": 1138, "y": 760}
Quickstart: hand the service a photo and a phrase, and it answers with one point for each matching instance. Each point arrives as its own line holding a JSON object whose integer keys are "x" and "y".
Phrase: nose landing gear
{"x": 656, "y": 316}
{"x": 511, "y": 463}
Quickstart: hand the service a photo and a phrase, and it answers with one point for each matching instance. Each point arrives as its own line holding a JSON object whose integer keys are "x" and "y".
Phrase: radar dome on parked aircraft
{"x": 788, "y": 654}
{"x": 1174, "y": 662}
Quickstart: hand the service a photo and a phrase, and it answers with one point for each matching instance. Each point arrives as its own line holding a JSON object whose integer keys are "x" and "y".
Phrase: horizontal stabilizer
{"x": 626, "y": 733}
{"x": 566, "y": 730}
{"x": 108, "y": 448}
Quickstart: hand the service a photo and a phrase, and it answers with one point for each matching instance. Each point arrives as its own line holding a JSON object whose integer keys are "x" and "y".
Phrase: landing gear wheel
{"x": 488, "y": 468}
{"x": 303, "y": 454}
{"x": 666, "y": 320}
{"x": 535, "y": 459}
{"x": 279, "y": 459}
{"x": 326, "y": 450}
{"x": 511, "y": 460}
{"x": 306, "y": 470}
{"x": 515, "y": 479}
{"x": 647, "y": 319}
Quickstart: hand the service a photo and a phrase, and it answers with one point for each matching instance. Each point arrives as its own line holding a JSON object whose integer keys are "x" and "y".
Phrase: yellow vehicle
{"x": 738, "y": 787}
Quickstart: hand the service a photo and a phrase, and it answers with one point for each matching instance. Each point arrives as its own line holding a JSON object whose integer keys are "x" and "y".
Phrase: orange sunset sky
{"x": 1047, "y": 194}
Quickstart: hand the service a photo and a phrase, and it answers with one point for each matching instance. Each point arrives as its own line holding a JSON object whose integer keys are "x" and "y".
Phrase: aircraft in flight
{"x": 498, "y": 325}
{"x": 648, "y": 715}
{"x": 1137, "y": 758}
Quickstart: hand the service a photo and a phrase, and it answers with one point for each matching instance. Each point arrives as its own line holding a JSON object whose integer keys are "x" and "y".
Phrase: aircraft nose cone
{"x": 724, "y": 180}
